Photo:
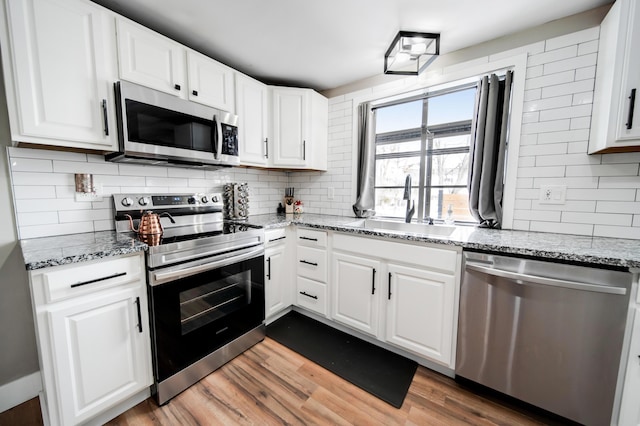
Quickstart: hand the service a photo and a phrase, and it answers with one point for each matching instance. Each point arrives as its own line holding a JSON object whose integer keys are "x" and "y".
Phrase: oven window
{"x": 153, "y": 125}
{"x": 209, "y": 302}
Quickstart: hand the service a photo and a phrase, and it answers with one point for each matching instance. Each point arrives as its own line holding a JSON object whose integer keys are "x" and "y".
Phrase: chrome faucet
{"x": 407, "y": 196}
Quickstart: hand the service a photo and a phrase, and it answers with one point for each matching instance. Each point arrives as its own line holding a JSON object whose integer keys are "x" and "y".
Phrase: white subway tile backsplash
{"x": 548, "y": 149}
{"x": 619, "y": 182}
{"x": 570, "y": 64}
{"x": 573, "y": 38}
{"x": 567, "y": 136}
{"x": 569, "y": 182}
{"x": 588, "y": 47}
{"x": 54, "y": 229}
{"x": 597, "y": 218}
{"x": 562, "y": 228}
{"x": 565, "y": 159}
{"x": 581, "y": 123}
{"x": 586, "y": 73}
{"x": 582, "y": 98}
{"x": 575, "y": 147}
{"x": 546, "y": 127}
{"x": 38, "y": 192}
{"x": 15, "y": 152}
{"x": 618, "y": 207}
{"x": 39, "y": 218}
{"x": 83, "y": 167}
{"x": 542, "y": 215}
{"x": 84, "y": 215}
{"x": 568, "y": 206}
{"x": 550, "y": 171}
{"x": 548, "y": 103}
{"x": 552, "y": 55}
{"x": 138, "y": 170}
{"x": 567, "y": 88}
{"x": 603, "y": 170}
{"x": 601, "y": 194}
{"x": 616, "y": 232}
{"x": 550, "y": 80}
{"x": 30, "y": 178}
{"x": 567, "y": 112}
{"x": 31, "y": 165}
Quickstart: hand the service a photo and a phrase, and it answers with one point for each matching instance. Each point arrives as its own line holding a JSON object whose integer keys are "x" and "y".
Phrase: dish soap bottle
{"x": 449, "y": 219}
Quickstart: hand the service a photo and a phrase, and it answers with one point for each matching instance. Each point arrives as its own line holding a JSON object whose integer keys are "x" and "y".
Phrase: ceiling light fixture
{"x": 410, "y": 52}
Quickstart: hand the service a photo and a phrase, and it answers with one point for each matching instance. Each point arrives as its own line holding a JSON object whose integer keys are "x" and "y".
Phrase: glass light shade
{"x": 410, "y": 53}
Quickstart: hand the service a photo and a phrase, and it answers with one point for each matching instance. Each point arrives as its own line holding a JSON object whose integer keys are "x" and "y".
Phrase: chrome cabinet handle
{"x": 266, "y": 147}
{"x": 309, "y": 295}
{"x": 105, "y": 119}
{"x": 119, "y": 274}
{"x": 523, "y": 279}
{"x": 632, "y": 105}
{"x": 373, "y": 282}
{"x": 304, "y": 150}
{"x": 308, "y": 263}
{"x": 389, "y": 295}
{"x": 137, "y": 302}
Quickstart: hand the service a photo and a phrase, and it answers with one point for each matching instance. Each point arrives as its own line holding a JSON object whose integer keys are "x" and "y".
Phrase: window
{"x": 427, "y": 138}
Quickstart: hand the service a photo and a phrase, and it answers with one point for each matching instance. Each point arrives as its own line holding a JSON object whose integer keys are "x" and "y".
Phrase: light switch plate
{"x": 553, "y": 194}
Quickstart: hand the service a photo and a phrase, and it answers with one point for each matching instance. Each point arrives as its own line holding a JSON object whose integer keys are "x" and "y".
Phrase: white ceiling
{"x": 324, "y": 44}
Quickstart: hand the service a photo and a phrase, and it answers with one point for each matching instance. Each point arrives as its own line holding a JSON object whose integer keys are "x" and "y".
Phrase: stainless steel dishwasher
{"x": 546, "y": 333}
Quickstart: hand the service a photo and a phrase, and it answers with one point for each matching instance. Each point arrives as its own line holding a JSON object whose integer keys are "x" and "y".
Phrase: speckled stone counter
{"x": 615, "y": 252}
{"x": 64, "y": 249}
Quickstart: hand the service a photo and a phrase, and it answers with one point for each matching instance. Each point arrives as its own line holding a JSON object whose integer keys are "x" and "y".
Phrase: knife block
{"x": 288, "y": 205}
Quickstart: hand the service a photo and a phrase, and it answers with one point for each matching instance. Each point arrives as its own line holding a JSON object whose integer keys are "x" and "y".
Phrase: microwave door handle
{"x": 215, "y": 137}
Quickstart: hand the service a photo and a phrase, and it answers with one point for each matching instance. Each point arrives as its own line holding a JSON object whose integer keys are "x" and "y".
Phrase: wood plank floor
{"x": 272, "y": 385}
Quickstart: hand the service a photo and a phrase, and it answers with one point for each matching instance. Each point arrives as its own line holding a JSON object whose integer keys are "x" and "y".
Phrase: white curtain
{"x": 365, "y": 202}
{"x": 488, "y": 148}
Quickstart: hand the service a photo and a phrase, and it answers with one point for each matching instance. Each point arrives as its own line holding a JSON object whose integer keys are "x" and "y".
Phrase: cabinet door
{"x": 290, "y": 109}
{"x": 630, "y": 78}
{"x": 277, "y": 284}
{"x": 356, "y": 287}
{"x": 420, "y": 311}
{"x": 210, "y": 82}
{"x": 630, "y": 405}
{"x": 64, "y": 72}
{"x": 101, "y": 352}
{"x": 252, "y": 110}
{"x": 150, "y": 59}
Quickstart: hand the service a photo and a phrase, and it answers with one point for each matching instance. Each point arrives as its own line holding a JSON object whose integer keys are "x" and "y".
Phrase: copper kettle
{"x": 149, "y": 223}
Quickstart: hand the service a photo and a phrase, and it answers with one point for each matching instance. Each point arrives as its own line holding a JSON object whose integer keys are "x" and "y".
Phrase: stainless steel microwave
{"x": 158, "y": 128}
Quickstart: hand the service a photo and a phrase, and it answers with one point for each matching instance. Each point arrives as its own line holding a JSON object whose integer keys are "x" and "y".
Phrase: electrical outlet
{"x": 553, "y": 194}
{"x": 331, "y": 193}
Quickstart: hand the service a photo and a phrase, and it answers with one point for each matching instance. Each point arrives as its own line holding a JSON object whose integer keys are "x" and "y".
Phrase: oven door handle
{"x": 234, "y": 257}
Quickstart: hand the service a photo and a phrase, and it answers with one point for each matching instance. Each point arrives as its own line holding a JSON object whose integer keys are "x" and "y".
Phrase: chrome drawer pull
{"x": 98, "y": 279}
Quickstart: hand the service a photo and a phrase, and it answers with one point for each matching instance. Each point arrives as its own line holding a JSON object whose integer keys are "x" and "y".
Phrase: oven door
{"x": 196, "y": 314}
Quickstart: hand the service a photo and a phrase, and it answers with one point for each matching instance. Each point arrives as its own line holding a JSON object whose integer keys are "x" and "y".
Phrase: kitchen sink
{"x": 397, "y": 226}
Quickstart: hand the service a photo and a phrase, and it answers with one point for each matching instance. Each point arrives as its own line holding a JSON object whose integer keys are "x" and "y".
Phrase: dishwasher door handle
{"x": 521, "y": 278}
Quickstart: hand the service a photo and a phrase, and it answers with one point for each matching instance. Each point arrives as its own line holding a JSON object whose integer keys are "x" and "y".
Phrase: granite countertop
{"x": 615, "y": 252}
{"x": 625, "y": 253}
{"x": 64, "y": 249}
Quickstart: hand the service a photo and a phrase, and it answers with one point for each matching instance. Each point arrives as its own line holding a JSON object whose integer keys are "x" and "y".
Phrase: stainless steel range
{"x": 205, "y": 280}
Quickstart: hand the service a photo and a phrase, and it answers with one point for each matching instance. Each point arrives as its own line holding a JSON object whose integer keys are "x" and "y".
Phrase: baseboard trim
{"x": 20, "y": 390}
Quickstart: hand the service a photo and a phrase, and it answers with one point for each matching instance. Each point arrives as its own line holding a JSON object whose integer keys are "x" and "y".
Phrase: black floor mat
{"x": 378, "y": 371}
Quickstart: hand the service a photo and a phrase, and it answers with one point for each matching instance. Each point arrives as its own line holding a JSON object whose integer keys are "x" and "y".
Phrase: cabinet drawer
{"x": 62, "y": 282}
{"x": 311, "y": 237}
{"x": 275, "y": 236}
{"x": 312, "y": 295}
{"x": 312, "y": 263}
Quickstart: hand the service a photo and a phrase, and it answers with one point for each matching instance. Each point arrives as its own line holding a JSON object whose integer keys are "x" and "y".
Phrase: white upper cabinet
{"x": 59, "y": 69}
{"x": 210, "y": 82}
{"x": 616, "y": 114}
{"x": 153, "y": 60}
{"x": 290, "y": 110}
{"x": 300, "y": 120}
{"x": 252, "y": 106}
{"x": 150, "y": 59}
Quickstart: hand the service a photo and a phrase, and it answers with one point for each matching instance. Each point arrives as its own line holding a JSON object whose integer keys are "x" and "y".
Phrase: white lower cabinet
{"x": 278, "y": 276}
{"x": 93, "y": 336}
{"x": 630, "y": 405}
{"x": 401, "y": 293}
{"x": 356, "y": 290}
{"x": 420, "y": 306}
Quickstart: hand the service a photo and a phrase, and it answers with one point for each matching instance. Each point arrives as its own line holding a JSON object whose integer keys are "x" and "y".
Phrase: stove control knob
{"x": 191, "y": 200}
{"x": 127, "y": 202}
{"x": 204, "y": 199}
{"x": 214, "y": 198}
{"x": 143, "y": 201}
